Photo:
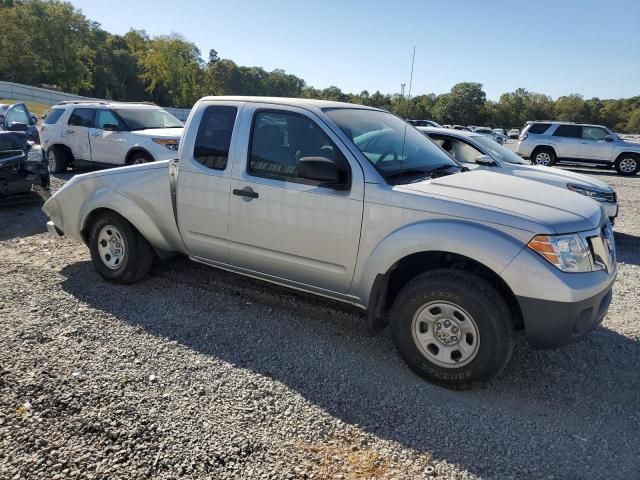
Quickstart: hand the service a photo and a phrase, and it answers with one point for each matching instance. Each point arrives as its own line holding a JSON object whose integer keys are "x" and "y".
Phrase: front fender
{"x": 105, "y": 197}
{"x": 489, "y": 246}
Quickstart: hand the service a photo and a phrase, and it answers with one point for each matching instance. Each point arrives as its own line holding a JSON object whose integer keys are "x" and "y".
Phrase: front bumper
{"x": 53, "y": 230}
{"x": 610, "y": 210}
{"x": 551, "y": 324}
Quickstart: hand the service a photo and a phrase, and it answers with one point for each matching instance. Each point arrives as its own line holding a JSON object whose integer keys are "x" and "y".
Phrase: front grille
{"x": 603, "y": 248}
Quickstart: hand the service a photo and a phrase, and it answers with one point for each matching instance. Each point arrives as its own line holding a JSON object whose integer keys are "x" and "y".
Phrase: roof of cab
{"x": 293, "y": 102}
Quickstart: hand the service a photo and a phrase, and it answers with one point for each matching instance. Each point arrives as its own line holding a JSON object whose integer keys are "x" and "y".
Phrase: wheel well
{"x": 633, "y": 154}
{"x": 543, "y": 147}
{"x": 64, "y": 148}
{"x": 89, "y": 221}
{"x": 134, "y": 151}
{"x": 413, "y": 265}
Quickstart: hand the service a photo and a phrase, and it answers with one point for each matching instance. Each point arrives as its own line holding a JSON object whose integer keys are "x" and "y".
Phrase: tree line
{"x": 50, "y": 43}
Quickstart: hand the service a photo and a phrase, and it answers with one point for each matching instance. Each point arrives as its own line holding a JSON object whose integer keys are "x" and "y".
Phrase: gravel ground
{"x": 198, "y": 373}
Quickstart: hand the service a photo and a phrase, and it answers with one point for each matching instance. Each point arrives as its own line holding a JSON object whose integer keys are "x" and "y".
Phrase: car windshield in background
{"x": 497, "y": 151}
{"x": 392, "y": 146}
{"x": 143, "y": 118}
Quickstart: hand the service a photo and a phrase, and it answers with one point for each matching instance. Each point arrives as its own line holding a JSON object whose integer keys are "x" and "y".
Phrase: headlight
{"x": 35, "y": 154}
{"x": 170, "y": 144}
{"x": 567, "y": 252}
{"x": 599, "y": 195}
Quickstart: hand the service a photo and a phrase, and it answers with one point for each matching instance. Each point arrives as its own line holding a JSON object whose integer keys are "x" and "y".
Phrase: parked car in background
{"x": 513, "y": 133}
{"x": 476, "y": 151}
{"x": 500, "y": 131}
{"x": 23, "y": 166}
{"x": 97, "y": 133}
{"x": 347, "y": 202}
{"x": 487, "y": 132}
{"x": 424, "y": 123}
{"x": 18, "y": 118}
{"x": 460, "y": 127}
{"x": 547, "y": 143}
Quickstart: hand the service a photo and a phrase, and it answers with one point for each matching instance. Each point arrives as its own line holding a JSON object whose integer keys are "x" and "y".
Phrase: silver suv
{"x": 546, "y": 143}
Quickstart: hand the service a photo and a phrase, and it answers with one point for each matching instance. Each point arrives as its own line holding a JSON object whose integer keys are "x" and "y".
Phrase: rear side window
{"x": 53, "y": 116}
{"x": 568, "y": 131}
{"x": 82, "y": 117}
{"x": 214, "y": 136}
{"x": 538, "y": 128}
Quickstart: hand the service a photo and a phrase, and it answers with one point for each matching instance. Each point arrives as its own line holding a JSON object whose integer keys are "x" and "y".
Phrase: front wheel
{"x": 118, "y": 251}
{"x": 627, "y": 164}
{"x": 57, "y": 160}
{"x": 452, "y": 328}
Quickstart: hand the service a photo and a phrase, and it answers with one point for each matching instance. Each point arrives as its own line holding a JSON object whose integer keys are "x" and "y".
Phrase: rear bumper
{"x": 553, "y": 324}
{"x": 53, "y": 230}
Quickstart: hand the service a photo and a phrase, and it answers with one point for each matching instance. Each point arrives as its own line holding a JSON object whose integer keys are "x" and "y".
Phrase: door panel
{"x": 108, "y": 146}
{"x": 204, "y": 184}
{"x": 76, "y": 133}
{"x": 296, "y": 231}
{"x": 593, "y": 145}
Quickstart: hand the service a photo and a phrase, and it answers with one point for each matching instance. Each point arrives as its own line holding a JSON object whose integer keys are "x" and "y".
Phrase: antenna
{"x": 413, "y": 59}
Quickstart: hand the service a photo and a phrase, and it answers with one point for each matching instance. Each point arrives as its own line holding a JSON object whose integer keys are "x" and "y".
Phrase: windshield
{"x": 497, "y": 151}
{"x": 390, "y": 144}
{"x": 143, "y": 118}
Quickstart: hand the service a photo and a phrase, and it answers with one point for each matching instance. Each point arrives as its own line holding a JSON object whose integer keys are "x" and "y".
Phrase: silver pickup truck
{"x": 353, "y": 203}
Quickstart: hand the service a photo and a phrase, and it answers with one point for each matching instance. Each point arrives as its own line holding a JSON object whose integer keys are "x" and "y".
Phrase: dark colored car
{"x": 23, "y": 166}
{"x": 18, "y": 118}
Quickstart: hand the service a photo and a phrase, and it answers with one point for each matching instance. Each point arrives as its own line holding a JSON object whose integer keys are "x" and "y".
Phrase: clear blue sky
{"x": 553, "y": 47}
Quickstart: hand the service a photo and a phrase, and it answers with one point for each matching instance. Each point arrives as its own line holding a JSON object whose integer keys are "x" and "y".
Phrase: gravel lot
{"x": 198, "y": 373}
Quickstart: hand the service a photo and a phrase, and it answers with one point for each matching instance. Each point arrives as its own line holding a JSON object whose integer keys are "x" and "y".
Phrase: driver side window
{"x": 105, "y": 117}
{"x": 17, "y": 114}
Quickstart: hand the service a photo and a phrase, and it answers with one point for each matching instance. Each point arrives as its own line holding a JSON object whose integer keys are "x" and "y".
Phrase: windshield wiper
{"x": 444, "y": 166}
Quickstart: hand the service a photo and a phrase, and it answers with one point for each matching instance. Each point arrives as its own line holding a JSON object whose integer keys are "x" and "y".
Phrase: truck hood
{"x": 555, "y": 176}
{"x": 169, "y": 133}
{"x": 507, "y": 200}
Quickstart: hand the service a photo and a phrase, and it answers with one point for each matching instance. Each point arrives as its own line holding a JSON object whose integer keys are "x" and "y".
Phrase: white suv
{"x": 546, "y": 143}
{"x": 108, "y": 134}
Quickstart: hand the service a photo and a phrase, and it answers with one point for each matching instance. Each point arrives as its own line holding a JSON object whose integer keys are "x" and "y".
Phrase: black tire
{"x": 543, "y": 156}
{"x": 627, "y": 164}
{"x": 471, "y": 294}
{"x": 57, "y": 160}
{"x": 138, "y": 254}
{"x": 139, "y": 158}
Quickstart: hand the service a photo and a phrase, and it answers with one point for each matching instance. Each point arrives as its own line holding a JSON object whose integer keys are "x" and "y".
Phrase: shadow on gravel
{"x": 550, "y": 413}
{"x": 21, "y": 217}
{"x": 627, "y": 248}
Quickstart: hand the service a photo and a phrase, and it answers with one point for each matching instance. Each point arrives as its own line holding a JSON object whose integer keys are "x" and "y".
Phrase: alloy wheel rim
{"x": 51, "y": 160}
{"x": 111, "y": 247}
{"x": 543, "y": 158}
{"x": 628, "y": 165}
{"x": 446, "y": 334}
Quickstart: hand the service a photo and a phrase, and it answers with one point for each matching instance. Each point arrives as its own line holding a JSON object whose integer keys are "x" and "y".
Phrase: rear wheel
{"x": 544, "y": 156}
{"x": 57, "y": 160}
{"x": 118, "y": 251}
{"x": 452, "y": 328}
{"x": 627, "y": 164}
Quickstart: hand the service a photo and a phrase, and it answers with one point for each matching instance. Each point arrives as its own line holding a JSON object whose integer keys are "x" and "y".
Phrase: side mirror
{"x": 485, "y": 160}
{"x": 608, "y": 138}
{"x": 318, "y": 169}
{"x": 110, "y": 127}
{"x": 18, "y": 127}
{"x": 34, "y": 119}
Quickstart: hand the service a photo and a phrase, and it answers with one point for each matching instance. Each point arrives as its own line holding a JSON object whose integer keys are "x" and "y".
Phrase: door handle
{"x": 245, "y": 192}
{"x": 71, "y": 131}
{"x": 95, "y": 134}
